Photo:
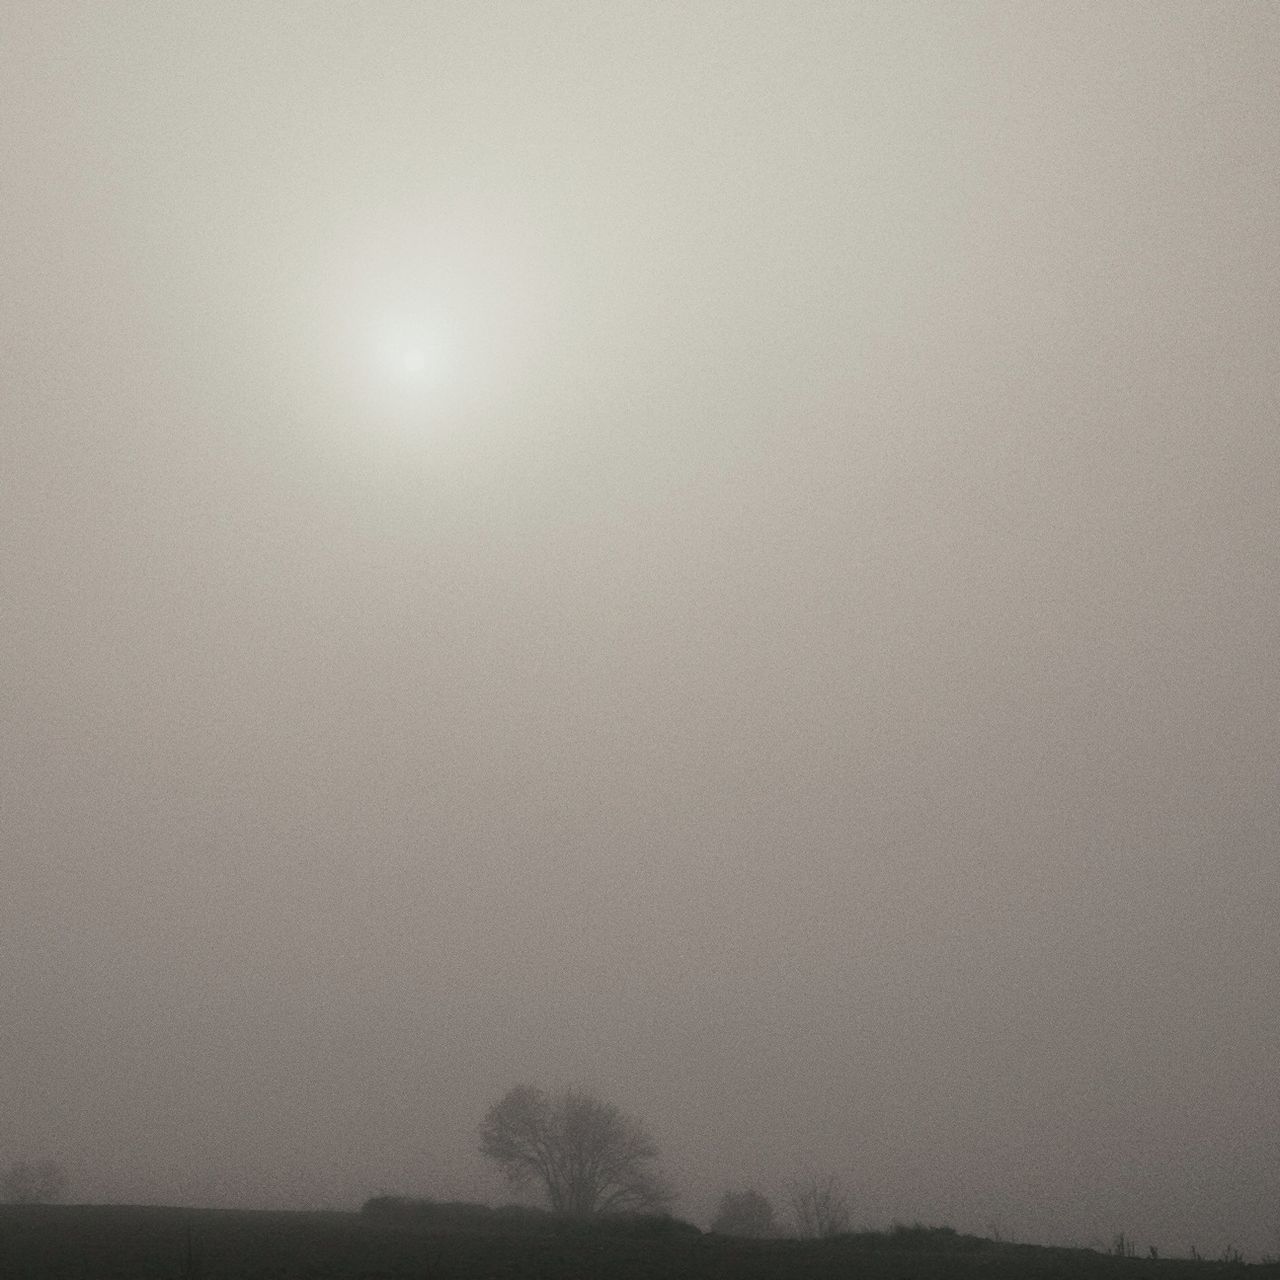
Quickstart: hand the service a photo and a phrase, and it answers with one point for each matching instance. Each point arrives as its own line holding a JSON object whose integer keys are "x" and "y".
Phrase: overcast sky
{"x": 723, "y": 552}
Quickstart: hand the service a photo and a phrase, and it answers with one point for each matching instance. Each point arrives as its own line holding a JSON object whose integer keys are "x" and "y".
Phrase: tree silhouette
{"x": 819, "y": 1207}
{"x": 586, "y": 1155}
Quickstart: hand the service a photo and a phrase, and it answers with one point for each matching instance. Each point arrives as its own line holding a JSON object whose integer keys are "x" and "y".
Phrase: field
{"x": 143, "y": 1243}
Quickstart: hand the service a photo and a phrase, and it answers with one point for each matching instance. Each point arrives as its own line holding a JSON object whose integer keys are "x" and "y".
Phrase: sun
{"x": 412, "y": 358}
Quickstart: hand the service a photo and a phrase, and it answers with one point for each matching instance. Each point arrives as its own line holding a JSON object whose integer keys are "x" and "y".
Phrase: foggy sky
{"x": 801, "y": 661}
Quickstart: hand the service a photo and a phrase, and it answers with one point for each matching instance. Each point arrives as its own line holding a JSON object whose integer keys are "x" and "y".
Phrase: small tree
{"x": 744, "y": 1213}
{"x": 585, "y": 1154}
{"x": 33, "y": 1182}
{"x": 819, "y": 1207}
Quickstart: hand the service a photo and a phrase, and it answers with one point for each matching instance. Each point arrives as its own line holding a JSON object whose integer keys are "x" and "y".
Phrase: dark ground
{"x": 100, "y": 1242}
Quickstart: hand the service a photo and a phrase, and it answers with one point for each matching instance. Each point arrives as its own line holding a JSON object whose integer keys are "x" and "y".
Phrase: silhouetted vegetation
{"x": 387, "y": 1241}
{"x": 517, "y": 1219}
{"x": 583, "y": 1153}
{"x": 744, "y": 1213}
{"x": 819, "y": 1207}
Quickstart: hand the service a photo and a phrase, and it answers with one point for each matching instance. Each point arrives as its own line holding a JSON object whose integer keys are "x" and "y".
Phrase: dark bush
{"x": 396, "y": 1208}
{"x": 745, "y": 1213}
{"x": 463, "y": 1216}
{"x": 918, "y": 1236}
{"x": 644, "y": 1226}
{"x": 524, "y": 1217}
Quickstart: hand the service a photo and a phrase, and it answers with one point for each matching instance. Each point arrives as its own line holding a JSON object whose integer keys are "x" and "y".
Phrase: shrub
{"x": 644, "y": 1226}
{"x": 744, "y": 1213}
{"x": 387, "y": 1208}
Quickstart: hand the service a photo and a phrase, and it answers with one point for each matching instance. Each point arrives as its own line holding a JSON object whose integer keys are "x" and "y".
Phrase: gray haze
{"x": 723, "y": 552}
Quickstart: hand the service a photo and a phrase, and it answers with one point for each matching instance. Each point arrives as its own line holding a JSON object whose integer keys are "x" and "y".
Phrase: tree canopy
{"x": 586, "y": 1155}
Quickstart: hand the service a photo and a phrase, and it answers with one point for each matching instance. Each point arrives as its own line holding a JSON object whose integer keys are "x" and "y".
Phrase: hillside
{"x": 101, "y": 1242}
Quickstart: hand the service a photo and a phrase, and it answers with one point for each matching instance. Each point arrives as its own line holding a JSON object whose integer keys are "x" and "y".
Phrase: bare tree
{"x": 33, "y": 1182}
{"x": 585, "y": 1154}
{"x": 744, "y": 1213}
{"x": 819, "y": 1206}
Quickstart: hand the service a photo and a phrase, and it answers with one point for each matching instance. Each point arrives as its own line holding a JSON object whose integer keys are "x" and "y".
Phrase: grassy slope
{"x": 127, "y": 1243}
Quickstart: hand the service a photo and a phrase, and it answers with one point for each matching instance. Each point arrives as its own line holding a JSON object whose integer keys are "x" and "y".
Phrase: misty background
{"x": 721, "y": 552}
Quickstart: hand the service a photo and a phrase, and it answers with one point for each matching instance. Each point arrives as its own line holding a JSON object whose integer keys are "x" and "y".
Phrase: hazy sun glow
{"x": 412, "y": 357}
